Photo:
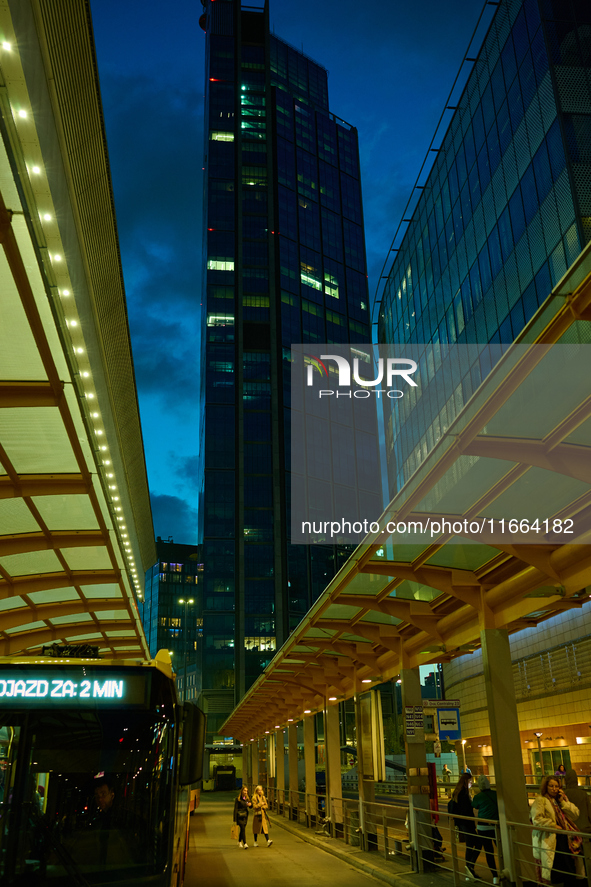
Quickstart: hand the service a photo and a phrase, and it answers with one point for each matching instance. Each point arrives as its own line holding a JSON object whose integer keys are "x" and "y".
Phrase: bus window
{"x": 85, "y": 794}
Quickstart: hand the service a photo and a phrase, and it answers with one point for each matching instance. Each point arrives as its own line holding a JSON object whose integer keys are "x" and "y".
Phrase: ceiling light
{"x": 103, "y": 447}
{"x": 22, "y": 113}
{"x": 332, "y": 698}
{"x": 307, "y": 711}
{"x": 81, "y": 351}
{"x": 99, "y": 431}
{"x": 36, "y": 170}
{"x": 90, "y": 396}
{"x": 47, "y": 217}
{"x": 65, "y": 292}
{"x": 57, "y": 258}
{"x": 6, "y": 45}
{"x": 86, "y": 374}
{"x": 366, "y": 681}
{"x": 73, "y": 322}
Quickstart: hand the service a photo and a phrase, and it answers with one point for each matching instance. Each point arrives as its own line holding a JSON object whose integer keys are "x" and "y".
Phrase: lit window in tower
{"x": 220, "y": 264}
{"x": 307, "y": 276}
{"x": 331, "y": 285}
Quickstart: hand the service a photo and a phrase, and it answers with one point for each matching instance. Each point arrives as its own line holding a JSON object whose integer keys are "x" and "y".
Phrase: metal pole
{"x": 185, "y": 629}
{"x": 539, "y": 738}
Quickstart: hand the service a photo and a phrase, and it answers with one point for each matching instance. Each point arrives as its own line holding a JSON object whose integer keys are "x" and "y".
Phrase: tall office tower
{"x": 285, "y": 260}
{"x": 506, "y": 207}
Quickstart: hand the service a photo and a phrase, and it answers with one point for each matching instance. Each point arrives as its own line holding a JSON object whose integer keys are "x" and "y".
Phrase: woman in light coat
{"x": 551, "y": 851}
{"x": 260, "y": 820}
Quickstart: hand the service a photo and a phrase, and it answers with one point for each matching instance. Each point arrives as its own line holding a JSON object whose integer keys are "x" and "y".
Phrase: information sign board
{"x": 449, "y": 723}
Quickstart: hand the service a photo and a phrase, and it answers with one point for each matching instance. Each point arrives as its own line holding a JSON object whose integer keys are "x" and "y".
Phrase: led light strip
{"x": 57, "y": 273}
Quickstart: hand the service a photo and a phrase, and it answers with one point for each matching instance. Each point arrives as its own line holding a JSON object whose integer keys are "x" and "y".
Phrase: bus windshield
{"x": 85, "y": 795}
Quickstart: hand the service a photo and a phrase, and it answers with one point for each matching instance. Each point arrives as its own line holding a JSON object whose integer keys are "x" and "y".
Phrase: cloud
{"x": 154, "y": 132}
{"x": 189, "y": 470}
{"x": 174, "y": 517}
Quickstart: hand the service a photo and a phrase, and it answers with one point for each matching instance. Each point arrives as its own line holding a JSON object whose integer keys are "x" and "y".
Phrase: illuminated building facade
{"x": 285, "y": 263}
{"x": 176, "y": 576}
{"x": 505, "y": 211}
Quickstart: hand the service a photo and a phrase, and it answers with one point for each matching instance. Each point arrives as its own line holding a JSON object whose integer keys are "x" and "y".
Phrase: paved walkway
{"x": 297, "y": 858}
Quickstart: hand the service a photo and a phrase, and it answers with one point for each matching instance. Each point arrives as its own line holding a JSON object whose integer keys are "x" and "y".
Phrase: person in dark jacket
{"x": 461, "y": 805}
{"x": 485, "y": 805}
{"x": 580, "y": 799}
{"x": 242, "y": 805}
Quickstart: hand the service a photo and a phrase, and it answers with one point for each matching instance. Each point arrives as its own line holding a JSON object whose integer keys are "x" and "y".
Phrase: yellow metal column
{"x": 416, "y": 768}
{"x": 332, "y": 744}
{"x": 310, "y": 765}
{"x": 506, "y": 745}
{"x": 279, "y": 766}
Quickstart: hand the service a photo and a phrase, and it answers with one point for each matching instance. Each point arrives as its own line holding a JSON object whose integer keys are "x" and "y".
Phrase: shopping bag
{"x": 235, "y": 832}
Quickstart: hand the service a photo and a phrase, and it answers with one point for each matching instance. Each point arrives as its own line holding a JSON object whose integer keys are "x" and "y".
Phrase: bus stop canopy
{"x": 520, "y": 449}
{"x": 75, "y": 520}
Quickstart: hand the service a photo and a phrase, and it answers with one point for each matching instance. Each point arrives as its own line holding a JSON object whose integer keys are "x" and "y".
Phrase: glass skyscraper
{"x": 285, "y": 263}
{"x": 505, "y": 210}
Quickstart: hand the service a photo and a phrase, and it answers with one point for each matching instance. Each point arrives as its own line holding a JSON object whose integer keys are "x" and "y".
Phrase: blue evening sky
{"x": 391, "y": 65}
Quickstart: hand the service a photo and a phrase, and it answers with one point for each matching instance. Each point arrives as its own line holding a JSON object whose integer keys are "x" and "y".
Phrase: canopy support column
{"x": 310, "y": 766}
{"x": 420, "y": 824}
{"x": 505, "y": 741}
{"x": 293, "y": 782}
{"x": 279, "y": 769}
{"x": 334, "y": 791}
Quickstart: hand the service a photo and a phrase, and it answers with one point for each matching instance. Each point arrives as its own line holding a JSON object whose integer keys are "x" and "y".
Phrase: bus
{"x": 97, "y": 759}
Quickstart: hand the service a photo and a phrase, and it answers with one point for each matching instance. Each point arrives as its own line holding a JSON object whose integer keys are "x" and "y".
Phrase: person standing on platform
{"x": 461, "y": 805}
{"x": 555, "y": 855}
{"x": 560, "y": 773}
{"x": 485, "y": 804}
{"x": 242, "y": 805}
{"x": 582, "y": 800}
{"x": 260, "y": 820}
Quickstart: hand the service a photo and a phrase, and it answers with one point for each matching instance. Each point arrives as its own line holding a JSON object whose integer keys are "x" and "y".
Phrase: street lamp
{"x": 186, "y": 602}
{"x": 539, "y": 738}
{"x": 464, "y": 753}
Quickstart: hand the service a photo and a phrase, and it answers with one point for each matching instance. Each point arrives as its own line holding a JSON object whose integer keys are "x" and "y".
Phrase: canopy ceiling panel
{"x": 75, "y": 522}
{"x": 521, "y": 446}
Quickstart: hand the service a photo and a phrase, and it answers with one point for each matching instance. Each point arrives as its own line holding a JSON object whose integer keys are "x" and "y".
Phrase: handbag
{"x": 235, "y": 832}
{"x": 574, "y": 841}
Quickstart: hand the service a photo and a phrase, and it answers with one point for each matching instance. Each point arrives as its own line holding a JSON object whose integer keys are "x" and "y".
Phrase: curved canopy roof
{"x": 521, "y": 448}
{"x": 75, "y": 521}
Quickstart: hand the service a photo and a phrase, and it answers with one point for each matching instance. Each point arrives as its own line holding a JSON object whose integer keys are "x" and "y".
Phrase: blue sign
{"x": 449, "y": 723}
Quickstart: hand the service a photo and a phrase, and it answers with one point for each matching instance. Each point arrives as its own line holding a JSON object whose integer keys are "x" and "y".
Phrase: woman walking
{"x": 485, "y": 805}
{"x": 260, "y": 820}
{"x": 461, "y": 805}
{"x": 555, "y": 855}
{"x": 242, "y": 805}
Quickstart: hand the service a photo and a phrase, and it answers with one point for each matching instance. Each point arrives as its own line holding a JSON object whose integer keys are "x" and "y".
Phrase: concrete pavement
{"x": 297, "y": 858}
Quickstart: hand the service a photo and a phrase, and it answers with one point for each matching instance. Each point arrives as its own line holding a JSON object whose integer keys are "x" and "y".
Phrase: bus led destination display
{"x": 78, "y": 686}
